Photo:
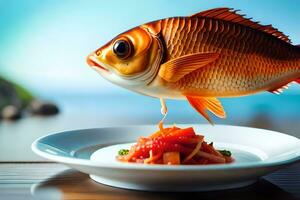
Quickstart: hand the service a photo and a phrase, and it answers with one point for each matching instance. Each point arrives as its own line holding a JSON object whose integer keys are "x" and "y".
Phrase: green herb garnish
{"x": 225, "y": 153}
{"x": 123, "y": 152}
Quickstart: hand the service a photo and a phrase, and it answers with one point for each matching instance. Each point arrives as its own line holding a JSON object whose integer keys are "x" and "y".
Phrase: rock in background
{"x": 15, "y": 100}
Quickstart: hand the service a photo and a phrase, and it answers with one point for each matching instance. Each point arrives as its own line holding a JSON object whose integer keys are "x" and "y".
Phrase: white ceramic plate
{"x": 257, "y": 152}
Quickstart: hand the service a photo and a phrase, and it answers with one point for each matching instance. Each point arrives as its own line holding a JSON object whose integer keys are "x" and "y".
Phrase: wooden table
{"x": 54, "y": 181}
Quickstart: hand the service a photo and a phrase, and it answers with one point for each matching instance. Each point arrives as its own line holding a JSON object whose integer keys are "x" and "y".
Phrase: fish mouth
{"x": 94, "y": 63}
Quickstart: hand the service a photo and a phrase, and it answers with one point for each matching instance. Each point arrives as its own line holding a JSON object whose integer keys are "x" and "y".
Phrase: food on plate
{"x": 174, "y": 146}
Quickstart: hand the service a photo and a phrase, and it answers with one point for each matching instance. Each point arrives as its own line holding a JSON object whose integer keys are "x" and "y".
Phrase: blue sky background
{"x": 44, "y": 44}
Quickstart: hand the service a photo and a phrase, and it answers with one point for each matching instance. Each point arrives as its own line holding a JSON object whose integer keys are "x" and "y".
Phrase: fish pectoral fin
{"x": 175, "y": 69}
{"x": 201, "y": 104}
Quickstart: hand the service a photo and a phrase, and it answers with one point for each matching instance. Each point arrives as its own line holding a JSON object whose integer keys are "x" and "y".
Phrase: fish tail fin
{"x": 297, "y": 80}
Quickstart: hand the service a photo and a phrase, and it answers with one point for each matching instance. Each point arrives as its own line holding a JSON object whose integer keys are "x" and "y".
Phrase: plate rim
{"x": 134, "y": 166}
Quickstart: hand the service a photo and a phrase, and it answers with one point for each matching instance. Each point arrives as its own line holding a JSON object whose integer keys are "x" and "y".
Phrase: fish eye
{"x": 122, "y": 48}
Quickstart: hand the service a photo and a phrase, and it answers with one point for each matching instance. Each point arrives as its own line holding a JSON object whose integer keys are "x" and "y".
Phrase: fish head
{"x": 131, "y": 59}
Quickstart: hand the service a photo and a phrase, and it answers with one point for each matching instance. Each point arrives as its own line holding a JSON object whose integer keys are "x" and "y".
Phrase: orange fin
{"x": 298, "y": 81}
{"x": 175, "y": 69}
{"x": 201, "y": 104}
{"x": 229, "y": 14}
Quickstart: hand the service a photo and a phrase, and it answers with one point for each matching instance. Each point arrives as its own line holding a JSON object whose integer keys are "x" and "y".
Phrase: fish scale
{"x": 249, "y": 60}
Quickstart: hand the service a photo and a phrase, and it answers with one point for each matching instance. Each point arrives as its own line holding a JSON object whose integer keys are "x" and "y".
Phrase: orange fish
{"x": 211, "y": 54}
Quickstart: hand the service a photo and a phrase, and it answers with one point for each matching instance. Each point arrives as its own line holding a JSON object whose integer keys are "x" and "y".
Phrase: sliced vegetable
{"x": 152, "y": 158}
{"x": 194, "y": 152}
{"x": 171, "y": 158}
{"x": 211, "y": 157}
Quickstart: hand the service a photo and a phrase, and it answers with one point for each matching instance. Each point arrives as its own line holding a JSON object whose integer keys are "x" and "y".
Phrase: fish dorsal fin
{"x": 231, "y": 15}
